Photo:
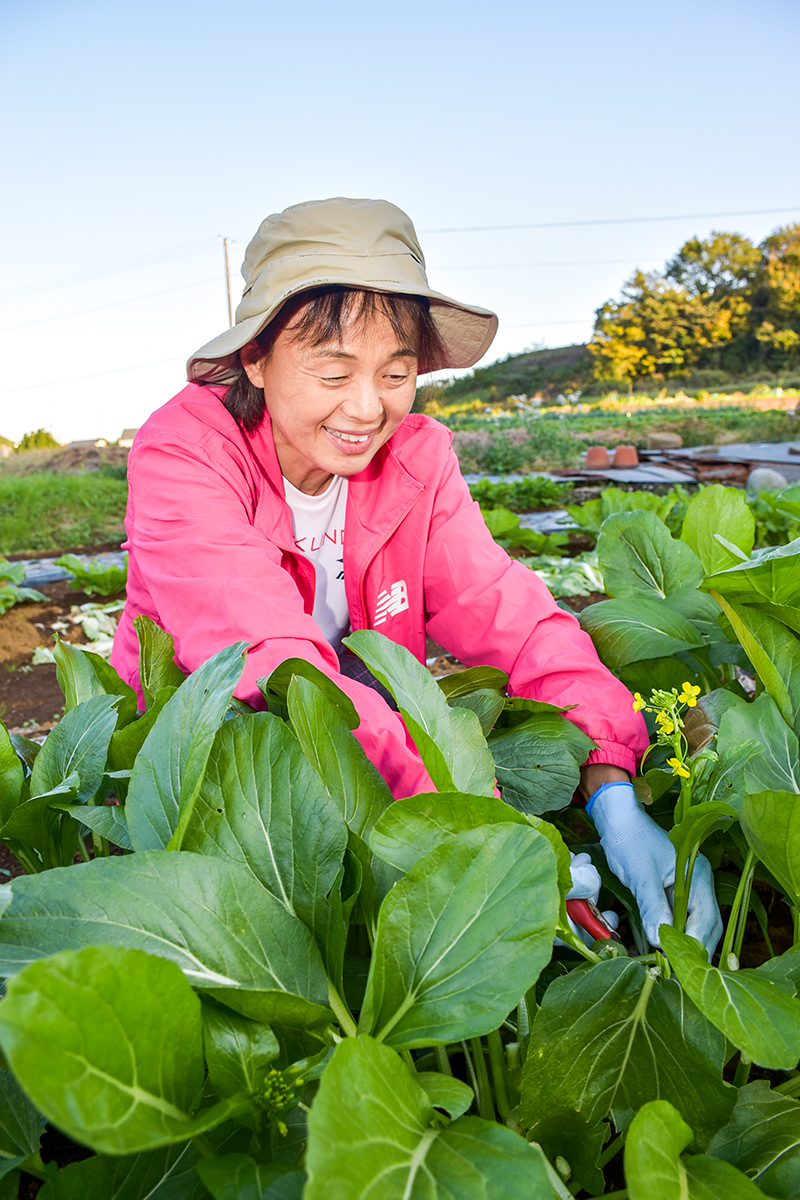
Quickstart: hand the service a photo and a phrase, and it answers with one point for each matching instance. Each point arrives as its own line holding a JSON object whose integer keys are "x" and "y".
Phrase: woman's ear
{"x": 252, "y": 358}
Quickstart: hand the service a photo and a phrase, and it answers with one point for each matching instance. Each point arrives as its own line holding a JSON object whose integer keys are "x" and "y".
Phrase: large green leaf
{"x": 774, "y": 651}
{"x": 157, "y": 666}
{"x": 21, "y": 1124}
{"x": 239, "y": 1177}
{"x": 656, "y": 1137}
{"x": 462, "y": 937}
{"x": 772, "y": 574}
{"x": 718, "y": 523}
{"x": 778, "y": 766}
{"x": 169, "y": 767}
{"x": 373, "y": 1135}
{"x": 538, "y": 762}
{"x": 771, "y": 821}
{"x": 38, "y": 833}
{"x": 788, "y": 615}
{"x": 262, "y": 805}
{"x": 82, "y": 675}
{"x": 127, "y": 742}
{"x": 79, "y": 743}
{"x": 758, "y": 1014}
{"x": 579, "y": 1146}
{"x": 625, "y": 631}
{"x": 349, "y": 777}
{"x": 608, "y": 1040}
{"x": 762, "y": 1139}
{"x": 107, "y": 1042}
{"x": 11, "y": 776}
{"x": 237, "y": 1050}
{"x": 639, "y": 557}
{"x": 227, "y": 934}
{"x": 449, "y": 740}
{"x": 325, "y": 736}
{"x": 275, "y": 689}
{"x": 417, "y": 824}
{"x": 106, "y": 820}
{"x": 654, "y": 1167}
{"x": 480, "y": 689}
{"x": 166, "y": 1174}
{"x": 461, "y": 684}
{"x": 723, "y": 778}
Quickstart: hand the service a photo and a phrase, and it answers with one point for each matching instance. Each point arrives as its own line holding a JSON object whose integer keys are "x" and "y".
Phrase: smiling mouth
{"x": 354, "y": 438}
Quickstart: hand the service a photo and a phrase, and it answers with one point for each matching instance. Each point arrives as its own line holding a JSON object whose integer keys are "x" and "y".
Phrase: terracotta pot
{"x": 596, "y": 458}
{"x": 626, "y": 456}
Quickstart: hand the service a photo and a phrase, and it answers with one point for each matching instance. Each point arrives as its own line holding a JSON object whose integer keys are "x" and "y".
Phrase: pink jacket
{"x": 213, "y": 561}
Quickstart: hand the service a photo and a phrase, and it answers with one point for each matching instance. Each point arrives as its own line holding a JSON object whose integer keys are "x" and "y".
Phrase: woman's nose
{"x": 363, "y": 402}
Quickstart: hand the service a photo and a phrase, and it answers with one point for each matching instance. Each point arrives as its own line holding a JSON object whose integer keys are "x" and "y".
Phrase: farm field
{"x": 402, "y": 953}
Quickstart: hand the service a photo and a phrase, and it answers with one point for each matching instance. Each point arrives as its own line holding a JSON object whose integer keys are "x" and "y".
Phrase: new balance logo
{"x": 391, "y": 602}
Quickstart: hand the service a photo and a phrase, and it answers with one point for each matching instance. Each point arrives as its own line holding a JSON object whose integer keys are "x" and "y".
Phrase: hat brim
{"x": 466, "y": 331}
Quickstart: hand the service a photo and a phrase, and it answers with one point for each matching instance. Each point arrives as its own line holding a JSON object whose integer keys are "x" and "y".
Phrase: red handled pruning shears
{"x": 588, "y": 916}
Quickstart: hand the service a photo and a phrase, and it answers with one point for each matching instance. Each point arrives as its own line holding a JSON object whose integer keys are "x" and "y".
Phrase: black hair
{"x": 322, "y": 315}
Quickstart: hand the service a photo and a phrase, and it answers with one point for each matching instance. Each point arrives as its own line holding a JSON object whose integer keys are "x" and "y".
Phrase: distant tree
{"x": 658, "y": 328}
{"x": 721, "y": 302}
{"x": 39, "y": 440}
{"x": 776, "y": 306}
{"x": 721, "y": 264}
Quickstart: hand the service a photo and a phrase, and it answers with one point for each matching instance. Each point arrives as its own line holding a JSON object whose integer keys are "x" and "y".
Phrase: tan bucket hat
{"x": 367, "y": 244}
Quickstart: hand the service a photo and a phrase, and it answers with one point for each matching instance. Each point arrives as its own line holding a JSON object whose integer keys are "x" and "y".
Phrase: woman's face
{"x": 333, "y": 406}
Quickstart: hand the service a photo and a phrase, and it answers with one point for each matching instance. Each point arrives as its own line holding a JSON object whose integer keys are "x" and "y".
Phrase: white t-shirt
{"x": 318, "y": 529}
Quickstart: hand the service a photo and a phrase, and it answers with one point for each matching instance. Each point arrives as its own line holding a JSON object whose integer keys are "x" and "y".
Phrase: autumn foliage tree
{"x": 721, "y": 303}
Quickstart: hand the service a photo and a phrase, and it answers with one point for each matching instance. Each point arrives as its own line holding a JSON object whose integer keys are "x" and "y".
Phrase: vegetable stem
{"x": 34, "y": 1166}
{"x": 341, "y": 1011}
{"x": 611, "y": 1150}
{"x": 734, "y": 932}
{"x": 789, "y": 1087}
{"x": 497, "y": 1063}
{"x": 571, "y": 939}
{"x": 201, "y": 1142}
{"x": 483, "y": 1093}
{"x": 742, "y": 1072}
{"x": 443, "y": 1060}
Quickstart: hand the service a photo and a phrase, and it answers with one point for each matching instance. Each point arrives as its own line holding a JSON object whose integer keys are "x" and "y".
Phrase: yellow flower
{"x": 665, "y": 721}
{"x": 689, "y": 695}
{"x": 638, "y": 702}
{"x": 678, "y": 768}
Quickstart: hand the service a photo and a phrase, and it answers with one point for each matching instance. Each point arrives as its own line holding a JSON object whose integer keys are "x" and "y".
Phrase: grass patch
{"x": 48, "y": 511}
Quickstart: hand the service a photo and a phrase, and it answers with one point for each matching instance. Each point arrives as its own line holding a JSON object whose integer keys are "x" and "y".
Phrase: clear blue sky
{"x": 134, "y": 135}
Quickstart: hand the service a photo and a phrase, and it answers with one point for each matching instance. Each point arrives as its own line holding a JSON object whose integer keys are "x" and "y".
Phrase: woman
{"x": 287, "y": 495}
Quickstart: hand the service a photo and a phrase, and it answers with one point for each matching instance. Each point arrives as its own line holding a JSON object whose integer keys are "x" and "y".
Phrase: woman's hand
{"x": 641, "y": 855}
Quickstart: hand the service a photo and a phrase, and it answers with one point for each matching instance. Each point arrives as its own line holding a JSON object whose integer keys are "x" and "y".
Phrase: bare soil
{"x": 30, "y": 699}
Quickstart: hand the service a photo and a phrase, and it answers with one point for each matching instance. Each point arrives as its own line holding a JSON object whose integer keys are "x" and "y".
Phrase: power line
{"x": 610, "y": 262}
{"x": 117, "y": 268}
{"x": 32, "y": 387}
{"x": 181, "y": 287}
{"x": 537, "y": 324}
{"x": 572, "y": 262}
{"x": 752, "y": 212}
{"x": 154, "y": 259}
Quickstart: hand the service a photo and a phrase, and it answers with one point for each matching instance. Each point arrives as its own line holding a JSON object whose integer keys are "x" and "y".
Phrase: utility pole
{"x": 225, "y": 243}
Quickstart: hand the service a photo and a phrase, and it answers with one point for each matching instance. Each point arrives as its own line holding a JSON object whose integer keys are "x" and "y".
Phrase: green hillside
{"x": 536, "y": 372}
{"x": 723, "y": 315}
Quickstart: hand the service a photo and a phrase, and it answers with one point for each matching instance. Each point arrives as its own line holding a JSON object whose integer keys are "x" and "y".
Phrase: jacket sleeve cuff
{"x": 615, "y": 754}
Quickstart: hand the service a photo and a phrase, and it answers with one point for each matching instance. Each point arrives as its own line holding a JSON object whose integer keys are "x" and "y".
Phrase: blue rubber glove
{"x": 586, "y": 884}
{"x": 586, "y": 881}
{"x": 641, "y": 855}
